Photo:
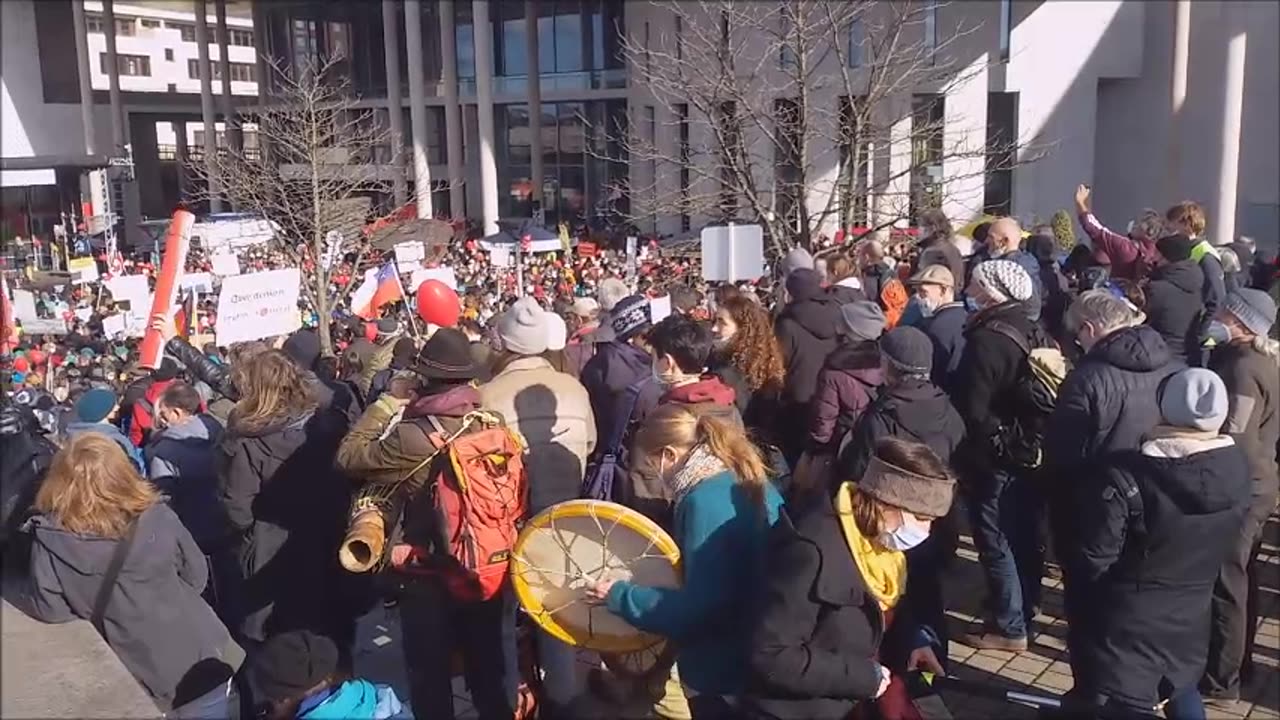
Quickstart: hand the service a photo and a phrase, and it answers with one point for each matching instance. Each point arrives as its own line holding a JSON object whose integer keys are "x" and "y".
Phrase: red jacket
{"x": 1130, "y": 259}
{"x": 144, "y": 412}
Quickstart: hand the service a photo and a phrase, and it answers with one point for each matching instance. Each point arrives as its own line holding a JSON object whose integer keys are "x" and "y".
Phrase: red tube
{"x": 174, "y": 259}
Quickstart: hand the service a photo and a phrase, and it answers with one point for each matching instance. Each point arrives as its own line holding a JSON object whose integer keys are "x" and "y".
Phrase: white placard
{"x": 659, "y": 308}
{"x": 83, "y": 314}
{"x": 45, "y": 326}
{"x": 83, "y": 269}
{"x": 225, "y": 264}
{"x": 410, "y": 253}
{"x": 500, "y": 257}
{"x": 200, "y": 282}
{"x": 421, "y": 275}
{"x": 731, "y": 253}
{"x": 134, "y": 289}
{"x": 332, "y": 248}
{"x": 259, "y": 305}
{"x": 113, "y": 326}
{"x": 24, "y": 305}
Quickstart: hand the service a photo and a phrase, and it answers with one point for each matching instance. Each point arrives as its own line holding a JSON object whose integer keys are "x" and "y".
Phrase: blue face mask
{"x": 907, "y": 536}
{"x": 972, "y": 305}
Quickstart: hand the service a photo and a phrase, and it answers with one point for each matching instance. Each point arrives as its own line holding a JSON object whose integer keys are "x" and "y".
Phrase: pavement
{"x": 1042, "y": 669}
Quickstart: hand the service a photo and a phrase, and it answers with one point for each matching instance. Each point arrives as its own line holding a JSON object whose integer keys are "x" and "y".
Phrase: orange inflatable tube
{"x": 176, "y": 241}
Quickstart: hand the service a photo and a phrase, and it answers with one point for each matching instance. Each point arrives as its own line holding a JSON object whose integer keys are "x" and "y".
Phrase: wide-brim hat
{"x": 446, "y": 355}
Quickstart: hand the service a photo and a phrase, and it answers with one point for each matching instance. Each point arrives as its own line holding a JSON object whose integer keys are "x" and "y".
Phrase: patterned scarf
{"x": 698, "y": 465}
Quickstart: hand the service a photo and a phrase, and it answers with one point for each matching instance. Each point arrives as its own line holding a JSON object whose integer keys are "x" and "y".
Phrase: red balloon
{"x": 370, "y": 331}
{"x": 437, "y": 304}
{"x": 21, "y": 365}
{"x": 37, "y": 357}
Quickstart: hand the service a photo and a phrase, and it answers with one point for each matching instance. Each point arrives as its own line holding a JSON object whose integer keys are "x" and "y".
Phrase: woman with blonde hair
{"x": 836, "y": 608}
{"x": 748, "y": 359}
{"x": 724, "y": 507}
{"x": 286, "y": 503}
{"x": 106, "y": 548}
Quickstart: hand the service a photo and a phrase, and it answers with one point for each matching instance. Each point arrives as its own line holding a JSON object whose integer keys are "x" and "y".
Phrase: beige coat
{"x": 551, "y": 409}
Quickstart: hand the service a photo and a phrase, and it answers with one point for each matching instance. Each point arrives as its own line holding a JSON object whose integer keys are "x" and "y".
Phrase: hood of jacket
{"x": 102, "y": 428}
{"x": 624, "y": 364}
{"x": 1136, "y": 349}
{"x": 286, "y": 427}
{"x": 195, "y": 427}
{"x": 708, "y": 389}
{"x": 1184, "y": 275}
{"x": 819, "y": 315}
{"x": 90, "y": 555}
{"x": 859, "y": 355}
{"x": 1191, "y": 468}
{"x": 919, "y": 406}
{"x": 452, "y": 402}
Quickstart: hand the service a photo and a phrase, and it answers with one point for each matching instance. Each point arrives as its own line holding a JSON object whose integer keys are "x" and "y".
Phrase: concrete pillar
{"x": 535, "y": 99}
{"x": 181, "y": 154}
{"x": 265, "y": 69}
{"x": 1223, "y": 229}
{"x": 86, "y": 80}
{"x": 1177, "y": 98}
{"x": 395, "y": 108}
{"x": 484, "y": 114}
{"x": 234, "y": 140}
{"x": 113, "y": 77}
{"x": 206, "y": 105}
{"x": 417, "y": 106}
{"x": 452, "y": 111}
{"x": 146, "y": 159}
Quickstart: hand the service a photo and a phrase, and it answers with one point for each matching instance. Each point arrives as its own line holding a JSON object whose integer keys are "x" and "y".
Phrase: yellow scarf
{"x": 884, "y": 571}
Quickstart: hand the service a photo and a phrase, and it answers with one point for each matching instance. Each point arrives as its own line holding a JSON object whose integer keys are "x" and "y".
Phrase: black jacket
{"x": 1175, "y": 306}
{"x": 987, "y": 376}
{"x": 912, "y": 410}
{"x": 1151, "y": 563}
{"x": 287, "y": 505}
{"x": 200, "y": 367}
{"x": 759, "y": 408}
{"x": 818, "y": 629}
{"x": 946, "y": 329}
{"x": 807, "y": 330}
{"x": 1253, "y": 385}
{"x": 1108, "y": 402}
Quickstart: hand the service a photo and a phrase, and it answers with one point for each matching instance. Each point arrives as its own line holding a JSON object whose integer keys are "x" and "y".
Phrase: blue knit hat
{"x": 95, "y": 405}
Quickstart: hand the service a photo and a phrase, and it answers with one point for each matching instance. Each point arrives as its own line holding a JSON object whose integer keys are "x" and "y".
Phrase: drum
{"x": 568, "y": 547}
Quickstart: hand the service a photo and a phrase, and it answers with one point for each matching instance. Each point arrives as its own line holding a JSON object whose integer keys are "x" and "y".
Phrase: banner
{"x": 732, "y": 252}
{"x": 587, "y": 249}
{"x": 256, "y": 306}
{"x": 177, "y": 240}
{"x": 224, "y": 264}
{"x": 421, "y": 275}
{"x": 83, "y": 269}
{"x": 409, "y": 253}
{"x": 24, "y": 305}
{"x": 44, "y": 326}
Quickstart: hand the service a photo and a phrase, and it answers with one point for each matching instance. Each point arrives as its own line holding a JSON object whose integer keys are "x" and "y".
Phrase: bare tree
{"x": 319, "y": 167}
{"x": 802, "y": 115}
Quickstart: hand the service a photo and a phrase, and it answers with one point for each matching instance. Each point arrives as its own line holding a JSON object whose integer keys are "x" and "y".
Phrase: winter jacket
{"x": 201, "y": 368}
{"x": 807, "y": 332}
{"x": 113, "y": 432}
{"x": 155, "y": 621}
{"x": 1129, "y": 259}
{"x": 1214, "y": 289}
{"x": 946, "y": 329}
{"x": 846, "y": 385}
{"x": 25, "y": 456}
{"x": 1150, "y": 563}
{"x": 287, "y": 506}
{"x": 986, "y": 379}
{"x": 1057, "y": 298}
{"x": 847, "y": 291}
{"x": 553, "y": 412}
{"x": 1253, "y": 386}
{"x": 817, "y": 630}
{"x": 1035, "y": 305}
{"x": 182, "y": 463}
{"x": 914, "y": 410}
{"x": 1175, "y": 306}
{"x": 1108, "y": 402}
{"x": 722, "y": 535}
{"x": 759, "y": 408}
{"x": 608, "y": 374}
{"x": 143, "y": 412}
{"x": 940, "y": 250}
{"x": 353, "y": 700}
{"x": 386, "y": 445}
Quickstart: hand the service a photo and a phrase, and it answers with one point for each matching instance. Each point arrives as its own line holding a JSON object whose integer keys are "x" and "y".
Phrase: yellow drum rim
{"x": 604, "y": 511}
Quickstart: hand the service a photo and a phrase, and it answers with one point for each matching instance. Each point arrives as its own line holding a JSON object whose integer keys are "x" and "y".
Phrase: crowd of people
{"x": 815, "y": 453}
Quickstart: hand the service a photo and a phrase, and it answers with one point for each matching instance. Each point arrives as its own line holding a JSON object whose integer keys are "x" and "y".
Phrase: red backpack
{"x": 479, "y": 489}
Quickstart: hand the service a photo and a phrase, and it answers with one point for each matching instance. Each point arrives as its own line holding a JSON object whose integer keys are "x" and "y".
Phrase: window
{"x": 931, "y": 29}
{"x": 856, "y": 41}
{"x": 186, "y": 30}
{"x": 463, "y": 40}
{"x": 679, "y": 38}
{"x": 168, "y": 54}
{"x": 304, "y": 44}
{"x": 511, "y": 46}
{"x": 150, "y": 24}
{"x": 648, "y": 55}
{"x": 1002, "y": 135}
{"x": 786, "y": 42}
{"x": 682, "y": 151}
{"x": 240, "y": 38}
{"x": 126, "y": 27}
{"x": 1006, "y": 27}
{"x": 127, "y": 65}
{"x": 927, "y": 125}
{"x": 240, "y": 72}
{"x": 93, "y": 23}
{"x": 568, "y": 36}
{"x": 337, "y": 40}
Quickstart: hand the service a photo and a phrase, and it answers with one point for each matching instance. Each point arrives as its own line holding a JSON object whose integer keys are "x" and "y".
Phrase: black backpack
{"x": 1040, "y": 376}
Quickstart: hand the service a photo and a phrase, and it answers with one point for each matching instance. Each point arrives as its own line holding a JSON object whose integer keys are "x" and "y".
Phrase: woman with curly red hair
{"x": 748, "y": 359}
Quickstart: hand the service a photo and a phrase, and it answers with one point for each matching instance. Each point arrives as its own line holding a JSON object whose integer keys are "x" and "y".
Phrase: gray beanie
{"x": 795, "y": 259}
{"x": 523, "y": 328}
{"x": 610, "y": 291}
{"x": 1194, "y": 398}
{"x": 908, "y": 349}
{"x": 1254, "y": 309}
{"x": 862, "y": 320}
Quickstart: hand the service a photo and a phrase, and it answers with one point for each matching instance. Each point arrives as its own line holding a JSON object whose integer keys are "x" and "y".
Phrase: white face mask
{"x": 909, "y": 534}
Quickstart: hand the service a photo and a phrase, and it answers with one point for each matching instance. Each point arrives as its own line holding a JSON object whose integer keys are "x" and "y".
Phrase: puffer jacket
{"x": 807, "y": 331}
{"x": 155, "y": 621}
{"x": 846, "y": 386}
{"x": 1175, "y": 307}
{"x": 985, "y": 382}
{"x": 1150, "y": 564}
{"x": 287, "y": 505}
{"x": 608, "y": 374}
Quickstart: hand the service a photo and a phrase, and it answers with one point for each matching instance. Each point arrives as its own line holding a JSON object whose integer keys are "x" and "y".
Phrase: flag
{"x": 8, "y": 325}
{"x": 379, "y": 288}
{"x": 565, "y": 243}
{"x": 185, "y": 319}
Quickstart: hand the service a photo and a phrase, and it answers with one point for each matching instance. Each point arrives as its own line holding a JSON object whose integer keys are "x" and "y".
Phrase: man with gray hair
{"x": 1108, "y": 403}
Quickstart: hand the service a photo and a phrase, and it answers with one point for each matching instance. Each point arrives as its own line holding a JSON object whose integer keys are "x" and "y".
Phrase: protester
{"x": 942, "y": 318}
{"x": 96, "y": 411}
{"x": 105, "y": 548}
{"x": 142, "y": 415}
{"x": 1187, "y": 218}
{"x": 1130, "y": 257}
{"x": 297, "y": 674}
{"x": 724, "y": 506}
{"x": 848, "y": 379}
{"x": 936, "y": 246}
{"x": 845, "y": 284}
{"x": 808, "y": 330}
{"x": 402, "y": 352}
{"x": 747, "y": 357}
{"x": 835, "y": 579}
{"x": 1004, "y": 242}
{"x": 619, "y": 378}
{"x": 1153, "y": 527}
{"x": 1057, "y": 291}
{"x": 1249, "y": 366}
{"x": 1174, "y": 299}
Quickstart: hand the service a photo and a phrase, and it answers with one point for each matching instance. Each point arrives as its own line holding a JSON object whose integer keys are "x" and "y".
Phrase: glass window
{"x": 92, "y": 23}
{"x": 786, "y": 42}
{"x": 546, "y": 40}
{"x": 1006, "y": 27}
{"x": 517, "y": 135}
{"x": 150, "y": 24}
{"x": 568, "y": 36}
{"x": 596, "y": 13}
{"x": 338, "y": 40}
{"x": 856, "y": 40}
{"x": 573, "y": 136}
{"x": 186, "y": 30}
{"x": 550, "y": 143}
{"x": 464, "y": 40}
{"x": 931, "y": 29}
{"x": 304, "y": 42}
{"x": 168, "y": 54}
{"x": 127, "y": 65}
{"x": 512, "y": 45}
{"x": 240, "y": 38}
{"x": 126, "y": 27}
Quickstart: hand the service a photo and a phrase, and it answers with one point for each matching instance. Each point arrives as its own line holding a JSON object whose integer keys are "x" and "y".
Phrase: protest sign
{"x": 409, "y": 253}
{"x": 133, "y": 289}
{"x": 83, "y": 314}
{"x": 259, "y": 305}
{"x": 421, "y": 275}
{"x": 225, "y": 264}
{"x": 659, "y": 308}
{"x": 44, "y": 326}
{"x": 24, "y": 305}
{"x": 733, "y": 252}
{"x": 500, "y": 257}
{"x": 83, "y": 270}
{"x": 113, "y": 326}
{"x": 200, "y": 282}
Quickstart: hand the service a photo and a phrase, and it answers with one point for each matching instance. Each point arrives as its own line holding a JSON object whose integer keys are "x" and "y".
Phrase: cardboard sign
{"x": 421, "y": 275}
{"x": 659, "y": 308}
{"x": 733, "y": 252}
{"x": 83, "y": 270}
{"x": 225, "y": 264}
{"x": 133, "y": 289}
{"x": 200, "y": 282}
{"x": 44, "y": 326}
{"x": 259, "y": 305}
{"x": 410, "y": 253}
{"x": 588, "y": 249}
{"x": 24, "y": 305}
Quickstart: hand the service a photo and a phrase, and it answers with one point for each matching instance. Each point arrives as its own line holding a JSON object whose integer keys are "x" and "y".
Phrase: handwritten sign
{"x": 259, "y": 305}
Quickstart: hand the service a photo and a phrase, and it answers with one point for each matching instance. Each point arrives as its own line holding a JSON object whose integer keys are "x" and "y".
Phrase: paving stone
{"x": 1057, "y": 682}
{"x": 984, "y": 662}
{"x": 1028, "y": 663}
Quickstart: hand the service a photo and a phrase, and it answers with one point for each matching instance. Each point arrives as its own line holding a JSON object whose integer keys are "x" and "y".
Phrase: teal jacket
{"x": 722, "y": 536}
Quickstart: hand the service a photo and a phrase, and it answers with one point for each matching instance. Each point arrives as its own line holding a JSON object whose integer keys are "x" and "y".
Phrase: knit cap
{"x": 95, "y": 405}
{"x": 1004, "y": 280}
{"x": 291, "y": 663}
{"x": 1176, "y": 247}
{"x": 1195, "y": 398}
{"x": 1254, "y": 309}
{"x": 523, "y": 327}
{"x": 908, "y": 349}
{"x": 557, "y": 332}
{"x": 862, "y": 320}
{"x": 796, "y": 259}
{"x": 630, "y": 317}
